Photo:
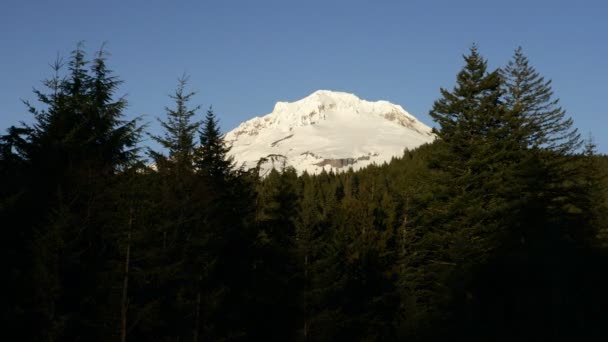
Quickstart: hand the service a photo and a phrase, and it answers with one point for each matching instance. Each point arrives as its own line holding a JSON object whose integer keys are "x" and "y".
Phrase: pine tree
{"x": 592, "y": 197}
{"x": 483, "y": 151}
{"x": 78, "y": 142}
{"x": 550, "y": 167}
{"x": 276, "y": 278}
{"x": 228, "y": 219}
{"x": 530, "y": 97}
{"x": 474, "y": 165}
{"x": 178, "y": 239}
{"x": 469, "y": 111}
{"x": 309, "y": 224}
{"x": 213, "y": 159}
{"x": 180, "y": 130}
{"x": 83, "y": 122}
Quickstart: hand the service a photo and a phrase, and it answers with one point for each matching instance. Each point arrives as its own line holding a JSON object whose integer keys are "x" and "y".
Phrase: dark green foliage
{"x": 496, "y": 231}
{"x": 530, "y": 97}
{"x": 276, "y": 276}
{"x": 180, "y": 132}
{"x": 175, "y": 265}
{"x": 82, "y": 122}
{"x": 505, "y": 216}
{"x": 593, "y": 201}
{"x": 474, "y": 183}
{"x": 229, "y": 219}
{"x": 213, "y": 159}
{"x": 66, "y": 160}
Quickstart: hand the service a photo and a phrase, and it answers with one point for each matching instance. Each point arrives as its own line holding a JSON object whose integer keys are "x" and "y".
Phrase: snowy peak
{"x": 324, "y": 104}
{"x": 319, "y": 100}
{"x": 328, "y": 130}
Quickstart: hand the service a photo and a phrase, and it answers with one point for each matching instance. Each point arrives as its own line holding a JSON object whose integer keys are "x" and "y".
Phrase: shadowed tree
{"x": 180, "y": 131}
{"x": 529, "y": 96}
{"x": 77, "y": 144}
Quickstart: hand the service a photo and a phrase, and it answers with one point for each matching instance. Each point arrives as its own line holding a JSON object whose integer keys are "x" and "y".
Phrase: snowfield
{"x": 327, "y": 130}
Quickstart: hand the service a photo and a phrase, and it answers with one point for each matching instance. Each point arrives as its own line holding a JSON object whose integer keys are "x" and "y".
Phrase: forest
{"x": 496, "y": 231}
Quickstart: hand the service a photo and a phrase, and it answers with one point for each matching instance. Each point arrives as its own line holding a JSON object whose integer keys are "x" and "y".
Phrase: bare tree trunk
{"x": 125, "y": 284}
{"x": 197, "y": 316}
{"x": 305, "y": 299}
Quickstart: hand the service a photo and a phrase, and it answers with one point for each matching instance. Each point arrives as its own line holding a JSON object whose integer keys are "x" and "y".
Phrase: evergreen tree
{"x": 83, "y": 122}
{"x": 178, "y": 240}
{"x": 277, "y": 271}
{"x": 530, "y": 97}
{"x": 309, "y": 224}
{"x": 550, "y": 170}
{"x": 213, "y": 159}
{"x": 180, "y": 130}
{"x": 78, "y": 142}
{"x": 496, "y": 231}
{"x": 475, "y": 165}
{"x": 483, "y": 149}
{"x": 593, "y": 199}
{"x": 229, "y": 220}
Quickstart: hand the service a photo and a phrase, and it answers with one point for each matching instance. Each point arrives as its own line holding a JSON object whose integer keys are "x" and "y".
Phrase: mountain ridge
{"x": 327, "y": 130}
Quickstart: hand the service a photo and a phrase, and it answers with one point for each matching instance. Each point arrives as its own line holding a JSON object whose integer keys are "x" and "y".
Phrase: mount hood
{"x": 327, "y": 130}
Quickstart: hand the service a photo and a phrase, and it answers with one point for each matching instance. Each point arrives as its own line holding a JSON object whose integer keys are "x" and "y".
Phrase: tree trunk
{"x": 125, "y": 285}
{"x": 305, "y": 299}
{"x": 197, "y": 316}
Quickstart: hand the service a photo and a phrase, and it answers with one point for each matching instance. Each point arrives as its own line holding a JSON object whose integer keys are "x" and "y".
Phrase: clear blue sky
{"x": 243, "y": 56}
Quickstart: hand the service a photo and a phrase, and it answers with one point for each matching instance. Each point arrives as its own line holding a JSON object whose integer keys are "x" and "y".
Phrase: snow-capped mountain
{"x": 327, "y": 130}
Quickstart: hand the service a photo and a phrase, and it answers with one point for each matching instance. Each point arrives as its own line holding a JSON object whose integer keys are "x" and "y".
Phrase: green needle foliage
{"x": 496, "y": 231}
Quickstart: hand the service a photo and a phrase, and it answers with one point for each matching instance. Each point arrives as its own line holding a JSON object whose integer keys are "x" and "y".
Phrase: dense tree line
{"x": 496, "y": 231}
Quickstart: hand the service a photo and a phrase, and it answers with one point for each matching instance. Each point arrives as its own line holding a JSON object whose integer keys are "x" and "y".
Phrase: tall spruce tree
{"x": 78, "y": 142}
{"x": 81, "y": 121}
{"x": 592, "y": 199}
{"x": 213, "y": 159}
{"x": 309, "y": 223}
{"x": 529, "y": 96}
{"x": 483, "y": 149}
{"x": 228, "y": 218}
{"x": 551, "y": 169}
{"x": 180, "y": 131}
{"x": 276, "y": 277}
{"x": 474, "y": 166}
{"x": 178, "y": 238}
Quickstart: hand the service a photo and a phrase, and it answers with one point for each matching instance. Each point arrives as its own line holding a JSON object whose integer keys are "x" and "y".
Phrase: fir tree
{"x": 276, "y": 278}
{"x": 474, "y": 165}
{"x": 483, "y": 151}
{"x": 592, "y": 197}
{"x": 180, "y": 130}
{"x": 529, "y": 96}
{"x": 309, "y": 224}
{"x": 78, "y": 142}
{"x": 178, "y": 239}
{"x": 550, "y": 170}
{"x": 228, "y": 219}
{"x": 213, "y": 159}
{"x": 81, "y": 120}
